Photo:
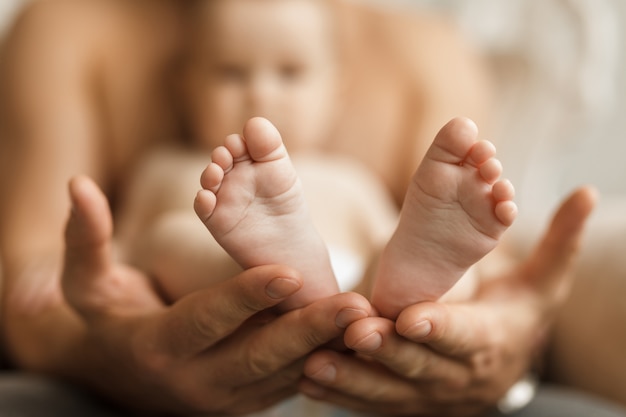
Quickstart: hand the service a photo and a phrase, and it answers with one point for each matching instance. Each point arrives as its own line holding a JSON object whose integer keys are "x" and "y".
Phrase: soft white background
{"x": 562, "y": 67}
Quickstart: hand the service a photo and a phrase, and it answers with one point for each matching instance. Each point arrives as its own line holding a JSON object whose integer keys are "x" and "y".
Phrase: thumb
{"x": 88, "y": 247}
{"x": 548, "y": 267}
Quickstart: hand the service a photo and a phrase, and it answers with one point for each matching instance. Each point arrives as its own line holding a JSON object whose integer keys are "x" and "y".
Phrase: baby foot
{"x": 253, "y": 204}
{"x": 454, "y": 213}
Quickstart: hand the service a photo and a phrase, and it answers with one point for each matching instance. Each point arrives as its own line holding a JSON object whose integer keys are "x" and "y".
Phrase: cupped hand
{"x": 216, "y": 351}
{"x": 456, "y": 359}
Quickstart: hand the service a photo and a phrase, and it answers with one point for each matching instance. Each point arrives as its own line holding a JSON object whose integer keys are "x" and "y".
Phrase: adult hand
{"x": 456, "y": 359}
{"x": 215, "y": 351}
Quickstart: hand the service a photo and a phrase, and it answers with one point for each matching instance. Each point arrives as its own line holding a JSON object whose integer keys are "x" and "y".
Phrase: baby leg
{"x": 253, "y": 204}
{"x": 454, "y": 213}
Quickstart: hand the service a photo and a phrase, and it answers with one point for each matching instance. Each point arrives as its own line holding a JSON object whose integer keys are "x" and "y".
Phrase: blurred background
{"x": 560, "y": 66}
{"x": 560, "y": 112}
{"x": 561, "y": 69}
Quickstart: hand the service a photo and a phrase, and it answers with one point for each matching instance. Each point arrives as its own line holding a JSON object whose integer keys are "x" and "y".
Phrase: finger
{"x": 360, "y": 385}
{"x": 378, "y": 340}
{"x": 204, "y": 318}
{"x": 547, "y": 267}
{"x": 294, "y": 335}
{"x": 88, "y": 247}
{"x": 356, "y": 378}
{"x": 92, "y": 284}
{"x": 454, "y": 330}
{"x": 353, "y": 383}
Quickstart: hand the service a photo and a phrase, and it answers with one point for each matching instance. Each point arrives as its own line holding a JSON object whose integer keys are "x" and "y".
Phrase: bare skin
{"x": 55, "y": 125}
{"x": 216, "y": 351}
{"x": 473, "y": 348}
{"x": 254, "y": 206}
{"x": 54, "y": 122}
{"x": 454, "y": 213}
{"x": 527, "y": 297}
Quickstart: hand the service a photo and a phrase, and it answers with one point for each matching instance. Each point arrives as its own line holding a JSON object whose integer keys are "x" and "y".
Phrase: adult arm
{"x": 456, "y": 359}
{"x": 53, "y": 125}
{"x": 47, "y": 132}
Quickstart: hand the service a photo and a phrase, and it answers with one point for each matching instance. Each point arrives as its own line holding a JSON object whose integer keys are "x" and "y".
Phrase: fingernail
{"x": 327, "y": 373}
{"x": 281, "y": 287}
{"x": 369, "y": 343}
{"x": 418, "y": 330}
{"x": 349, "y": 315}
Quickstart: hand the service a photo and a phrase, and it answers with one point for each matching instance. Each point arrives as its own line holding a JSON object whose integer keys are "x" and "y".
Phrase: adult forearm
{"x": 39, "y": 328}
{"x": 42, "y": 341}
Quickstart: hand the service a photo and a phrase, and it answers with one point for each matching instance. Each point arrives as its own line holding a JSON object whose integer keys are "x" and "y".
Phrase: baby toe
{"x": 506, "y": 212}
{"x": 490, "y": 170}
{"x": 212, "y": 177}
{"x": 480, "y": 153}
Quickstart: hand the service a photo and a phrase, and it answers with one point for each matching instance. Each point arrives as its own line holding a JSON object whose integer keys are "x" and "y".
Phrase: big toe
{"x": 263, "y": 140}
{"x": 454, "y": 141}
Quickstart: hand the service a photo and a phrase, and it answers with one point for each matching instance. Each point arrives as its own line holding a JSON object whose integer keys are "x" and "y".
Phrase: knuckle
{"x": 258, "y": 364}
{"x": 313, "y": 340}
{"x": 252, "y": 299}
{"x": 249, "y": 306}
{"x": 418, "y": 368}
{"x": 204, "y": 325}
{"x": 314, "y": 330}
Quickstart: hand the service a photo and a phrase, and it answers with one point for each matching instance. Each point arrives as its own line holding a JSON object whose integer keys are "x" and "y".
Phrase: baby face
{"x": 270, "y": 58}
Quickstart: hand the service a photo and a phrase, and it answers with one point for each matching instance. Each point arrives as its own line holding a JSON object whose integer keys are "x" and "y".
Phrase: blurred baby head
{"x": 273, "y": 58}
